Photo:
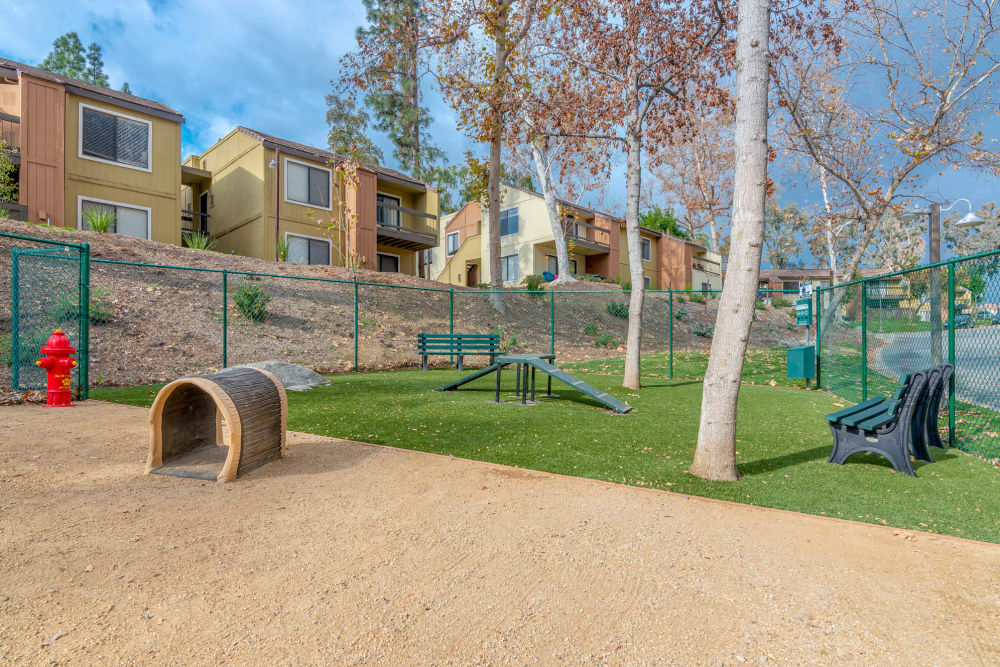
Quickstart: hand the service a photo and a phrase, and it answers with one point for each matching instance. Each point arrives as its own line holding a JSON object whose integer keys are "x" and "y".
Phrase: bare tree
{"x": 934, "y": 64}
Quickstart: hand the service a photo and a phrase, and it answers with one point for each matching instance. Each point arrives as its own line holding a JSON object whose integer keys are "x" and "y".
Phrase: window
{"x": 706, "y": 287}
{"x": 552, "y": 265}
{"x": 508, "y": 222}
{"x": 307, "y": 250}
{"x": 790, "y": 285}
{"x": 110, "y": 137}
{"x": 647, "y": 249}
{"x": 307, "y": 185}
{"x": 647, "y": 281}
{"x": 388, "y": 263}
{"x": 125, "y": 220}
{"x": 429, "y": 256}
{"x": 510, "y": 268}
{"x": 385, "y": 216}
{"x": 452, "y": 243}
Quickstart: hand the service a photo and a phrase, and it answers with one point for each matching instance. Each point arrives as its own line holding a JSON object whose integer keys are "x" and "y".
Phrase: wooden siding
{"x": 42, "y": 176}
{"x": 466, "y": 222}
{"x": 362, "y": 202}
{"x": 158, "y": 189}
{"x": 239, "y": 191}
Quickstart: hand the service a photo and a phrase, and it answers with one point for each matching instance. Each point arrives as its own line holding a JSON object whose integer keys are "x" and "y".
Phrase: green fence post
{"x": 84, "y": 353}
{"x": 819, "y": 349}
{"x": 356, "y": 324}
{"x": 451, "y": 319}
{"x": 951, "y": 353}
{"x": 225, "y": 318}
{"x": 864, "y": 341}
{"x": 15, "y": 321}
{"x": 670, "y": 300}
{"x": 552, "y": 322}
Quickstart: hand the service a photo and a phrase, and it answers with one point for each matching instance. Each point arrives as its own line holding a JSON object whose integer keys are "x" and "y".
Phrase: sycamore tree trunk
{"x": 543, "y": 165}
{"x": 496, "y": 145}
{"x": 715, "y": 455}
{"x": 633, "y": 183}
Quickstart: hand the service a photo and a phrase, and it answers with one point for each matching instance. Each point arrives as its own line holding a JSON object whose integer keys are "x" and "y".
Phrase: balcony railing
{"x": 193, "y": 221}
{"x": 586, "y": 233}
{"x": 406, "y": 227}
{"x": 10, "y": 132}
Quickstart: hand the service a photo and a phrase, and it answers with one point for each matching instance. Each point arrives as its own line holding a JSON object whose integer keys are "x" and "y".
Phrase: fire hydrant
{"x": 59, "y": 368}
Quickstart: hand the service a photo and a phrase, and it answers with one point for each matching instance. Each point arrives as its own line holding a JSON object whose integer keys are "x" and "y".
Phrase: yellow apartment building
{"x": 253, "y": 192}
{"x": 77, "y": 146}
{"x": 595, "y": 242}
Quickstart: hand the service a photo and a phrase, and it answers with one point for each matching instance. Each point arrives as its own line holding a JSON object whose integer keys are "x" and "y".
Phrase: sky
{"x": 268, "y": 65}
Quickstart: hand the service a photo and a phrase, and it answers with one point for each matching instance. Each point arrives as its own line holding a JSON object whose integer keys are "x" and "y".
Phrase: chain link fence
{"x": 42, "y": 288}
{"x": 874, "y": 330}
{"x": 153, "y": 323}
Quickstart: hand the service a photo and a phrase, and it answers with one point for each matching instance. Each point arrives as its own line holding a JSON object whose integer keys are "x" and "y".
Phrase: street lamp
{"x": 934, "y": 251}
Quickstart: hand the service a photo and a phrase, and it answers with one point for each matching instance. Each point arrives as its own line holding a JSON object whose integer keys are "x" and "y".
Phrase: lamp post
{"x": 933, "y": 212}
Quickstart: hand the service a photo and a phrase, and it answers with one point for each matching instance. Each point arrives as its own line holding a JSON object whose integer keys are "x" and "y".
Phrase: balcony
{"x": 405, "y": 228}
{"x": 706, "y": 265}
{"x": 587, "y": 238}
{"x": 10, "y": 133}
{"x": 192, "y": 221}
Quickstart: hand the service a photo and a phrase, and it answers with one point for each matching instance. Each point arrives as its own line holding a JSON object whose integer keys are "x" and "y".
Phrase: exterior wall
{"x": 607, "y": 264}
{"x": 364, "y": 237}
{"x": 157, "y": 189}
{"x": 43, "y": 151}
{"x": 455, "y": 271}
{"x": 710, "y": 272}
{"x": 650, "y": 268}
{"x": 533, "y": 227}
{"x": 674, "y": 264}
{"x": 239, "y": 188}
{"x": 10, "y": 98}
{"x": 466, "y": 222}
{"x": 540, "y": 260}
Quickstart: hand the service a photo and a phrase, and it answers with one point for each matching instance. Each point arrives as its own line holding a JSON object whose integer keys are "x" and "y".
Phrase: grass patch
{"x": 759, "y": 366}
{"x": 783, "y": 443}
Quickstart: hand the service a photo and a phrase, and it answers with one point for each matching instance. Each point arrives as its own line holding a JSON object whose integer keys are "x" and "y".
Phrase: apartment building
{"x": 79, "y": 147}
{"x": 595, "y": 241}
{"x": 255, "y": 193}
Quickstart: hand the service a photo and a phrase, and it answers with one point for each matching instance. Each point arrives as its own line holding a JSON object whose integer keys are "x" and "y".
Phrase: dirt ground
{"x": 347, "y": 553}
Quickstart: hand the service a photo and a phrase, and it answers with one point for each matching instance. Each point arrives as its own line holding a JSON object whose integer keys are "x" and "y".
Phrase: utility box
{"x": 802, "y": 361}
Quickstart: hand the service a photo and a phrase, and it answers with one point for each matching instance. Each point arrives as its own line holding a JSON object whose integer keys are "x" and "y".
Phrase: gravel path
{"x": 346, "y": 553}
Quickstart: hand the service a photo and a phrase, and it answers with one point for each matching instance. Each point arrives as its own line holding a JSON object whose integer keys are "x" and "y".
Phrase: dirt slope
{"x": 153, "y": 324}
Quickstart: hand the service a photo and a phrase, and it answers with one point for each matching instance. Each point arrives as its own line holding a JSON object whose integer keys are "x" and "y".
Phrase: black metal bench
{"x": 930, "y": 407}
{"x": 884, "y": 426}
{"x": 457, "y": 345}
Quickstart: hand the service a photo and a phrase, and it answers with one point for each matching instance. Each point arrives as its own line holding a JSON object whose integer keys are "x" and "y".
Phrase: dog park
{"x": 526, "y": 504}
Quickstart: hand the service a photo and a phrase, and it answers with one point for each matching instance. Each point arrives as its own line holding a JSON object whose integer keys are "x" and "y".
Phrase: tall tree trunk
{"x": 715, "y": 455}
{"x": 633, "y": 186}
{"x": 829, "y": 237}
{"x": 415, "y": 102}
{"x": 713, "y": 227}
{"x": 496, "y": 137}
{"x": 543, "y": 165}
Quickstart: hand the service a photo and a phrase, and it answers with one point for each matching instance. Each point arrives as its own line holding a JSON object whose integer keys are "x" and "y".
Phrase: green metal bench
{"x": 884, "y": 426}
{"x": 457, "y": 345}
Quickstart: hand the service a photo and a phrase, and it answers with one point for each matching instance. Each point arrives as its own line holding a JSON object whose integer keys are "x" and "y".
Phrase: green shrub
{"x": 533, "y": 283}
{"x": 791, "y": 326}
{"x": 508, "y": 342}
{"x": 251, "y": 301}
{"x": 99, "y": 220}
{"x": 760, "y": 305}
{"x": 200, "y": 241}
{"x": 282, "y": 250}
{"x": 65, "y": 308}
{"x": 604, "y": 340}
{"x": 703, "y": 330}
{"x": 590, "y": 330}
{"x": 697, "y": 298}
{"x": 679, "y": 299}
{"x": 618, "y": 309}
{"x": 679, "y": 315}
{"x": 781, "y": 302}
{"x": 483, "y": 286}
{"x": 626, "y": 285}
{"x": 29, "y": 346}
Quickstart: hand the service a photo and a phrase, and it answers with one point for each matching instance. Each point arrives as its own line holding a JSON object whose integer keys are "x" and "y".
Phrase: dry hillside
{"x": 154, "y": 324}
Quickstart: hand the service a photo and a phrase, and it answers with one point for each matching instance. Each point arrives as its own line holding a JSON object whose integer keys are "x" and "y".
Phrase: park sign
{"x": 803, "y": 312}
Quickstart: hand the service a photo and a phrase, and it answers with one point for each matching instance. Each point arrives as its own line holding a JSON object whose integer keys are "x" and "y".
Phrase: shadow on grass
{"x": 784, "y": 461}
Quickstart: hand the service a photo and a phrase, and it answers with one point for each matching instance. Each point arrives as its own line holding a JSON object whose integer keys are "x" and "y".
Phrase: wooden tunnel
{"x": 187, "y": 437}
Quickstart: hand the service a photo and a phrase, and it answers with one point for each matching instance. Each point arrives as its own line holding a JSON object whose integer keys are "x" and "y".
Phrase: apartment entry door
{"x": 472, "y": 275}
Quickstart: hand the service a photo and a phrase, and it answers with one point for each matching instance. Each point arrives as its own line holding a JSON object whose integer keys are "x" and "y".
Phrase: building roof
{"x": 821, "y": 274}
{"x": 93, "y": 91}
{"x": 321, "y": 155}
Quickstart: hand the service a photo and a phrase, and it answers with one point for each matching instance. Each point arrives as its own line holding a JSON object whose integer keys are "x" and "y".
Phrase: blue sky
{"x": 267, "y": 64}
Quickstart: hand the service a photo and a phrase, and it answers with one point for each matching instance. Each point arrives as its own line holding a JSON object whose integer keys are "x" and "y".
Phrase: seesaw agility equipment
{"x": 187, "y": 437}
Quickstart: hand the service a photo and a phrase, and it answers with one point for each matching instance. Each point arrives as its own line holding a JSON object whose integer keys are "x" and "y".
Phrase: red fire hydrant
{"x": 59, "y": 368}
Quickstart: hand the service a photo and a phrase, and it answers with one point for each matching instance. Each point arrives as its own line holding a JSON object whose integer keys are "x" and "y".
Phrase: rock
{"x": 292, "y": 376}
{"x": 53, "y": 638}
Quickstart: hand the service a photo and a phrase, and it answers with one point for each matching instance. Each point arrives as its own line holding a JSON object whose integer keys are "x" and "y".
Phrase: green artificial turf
{"x": 783, "y": 442}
